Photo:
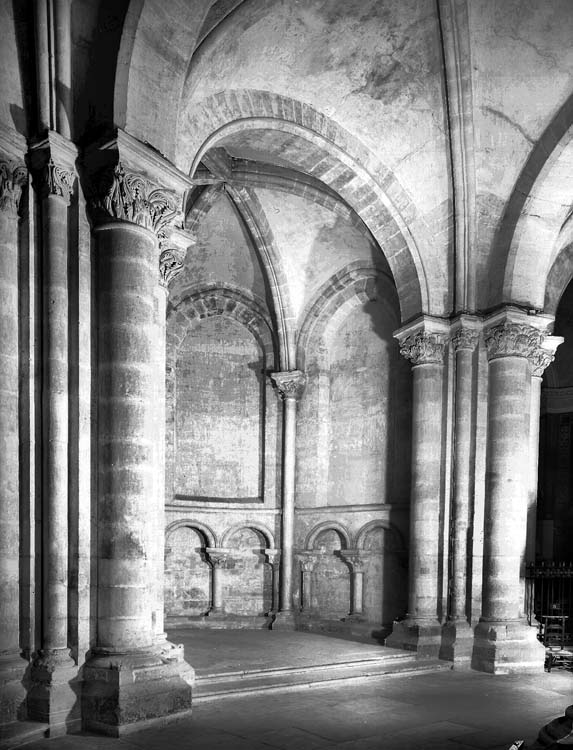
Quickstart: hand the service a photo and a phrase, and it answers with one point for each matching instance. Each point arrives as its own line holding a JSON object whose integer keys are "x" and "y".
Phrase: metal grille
{"x": 549, "y": 592}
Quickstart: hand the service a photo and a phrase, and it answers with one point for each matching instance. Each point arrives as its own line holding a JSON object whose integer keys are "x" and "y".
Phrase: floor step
{"x": 214, "y": 686}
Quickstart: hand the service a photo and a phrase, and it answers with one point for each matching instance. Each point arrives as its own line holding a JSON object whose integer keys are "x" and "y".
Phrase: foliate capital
{"x": 290, "y": 384}
{"x": 544, "y": 355}
{"x": 172, "y": 257}
{"x": 217, "y": 555}
{"x": 54, "y": 179}
{"x": 465, "y": 338}
{"x": 355, "y": 558}
{"x": 513, "y": 340}
{"x": 424, "y": 348}
{"x": 118, "y": 194}
{"x": 307, "y": 562}
{"x": 13, "y": 177}
{"x": 52, "y": 164}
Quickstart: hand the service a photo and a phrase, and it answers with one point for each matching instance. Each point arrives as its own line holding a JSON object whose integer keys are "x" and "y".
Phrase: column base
{"x": 457, "y": 643}
{"x": 507, "y": 647}
{"x": 12, "y": 690}
{"x": 422, "y": 636}
{"x": 123, "y": 693}
{"x": 54, "y": 692}
{"x": 285, "y": 620}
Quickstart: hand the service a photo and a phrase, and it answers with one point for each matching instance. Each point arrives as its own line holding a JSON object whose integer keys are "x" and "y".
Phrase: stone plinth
{"x": 122, "y": 693}
{"x": 507, "y": 647}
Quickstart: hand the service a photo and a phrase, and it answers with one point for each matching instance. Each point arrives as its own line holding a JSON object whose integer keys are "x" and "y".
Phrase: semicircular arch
{"x": 253, "y": 526}
{"x": 207, "y": 532}
{"x": 336, "y": 526}
{"x": 326, "y": 151}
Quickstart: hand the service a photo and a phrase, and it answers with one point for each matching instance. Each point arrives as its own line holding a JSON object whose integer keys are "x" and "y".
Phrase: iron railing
{"x": 549, "y": 592}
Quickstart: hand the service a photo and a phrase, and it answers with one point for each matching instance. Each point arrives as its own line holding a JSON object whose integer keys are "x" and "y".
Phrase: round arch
{"x": 378, "y": 524}
{"x": 353, "y": 285}
{"x": 340, "y": 529}
{"x": 191, "y": 307}
{"x": 319, "y": 147}
{"x": 202, "y": 528}
{"x": 530, "y": 238}
{"x": 253, "y": 526}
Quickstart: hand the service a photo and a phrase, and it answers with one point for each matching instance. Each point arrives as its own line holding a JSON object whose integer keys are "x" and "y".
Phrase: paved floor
{"x": 442, "y": 710}
{"x": 220, "y": 651}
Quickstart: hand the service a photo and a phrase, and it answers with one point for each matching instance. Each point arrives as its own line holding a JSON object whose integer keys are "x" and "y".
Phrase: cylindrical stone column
{"x": 307, "y": 563}
{"x": 421, "y": 631}
{"x": 503, "y": 641}
{"x": 130, "y": 678}
{"x": 426, "y": 352}
{"x": 290, "y": 386}
{"x": 218, "y": 557}
{"x": 55, "y": 186}
{"x": 170, "y": 265}
{"x": 274, "y": 556}
{"x": 13, "y": 176}
{"x": 51, "y": 697}
{"x": 127, "y": 258}
{"x": 508, "y": 347}
{"x": 464, "y": 342}
{"x": 539, "y": 363}
{"x": 357, "y": 567}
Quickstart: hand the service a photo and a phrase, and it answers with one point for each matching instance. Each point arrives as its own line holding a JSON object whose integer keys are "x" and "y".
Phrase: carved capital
{"x": 117, "y": 194}
{"x": 170, "y": 265}
{"x": 289, "y": 384}
{"x": 513, "y": 340}
{"x": 13, "y": 176}
{"x": 465, "y": 338}
{"x": 172, "y": 257}
{"x": 54, "y": 179}
{"x": 307, "y": 562}
{"x": 544, "y": 355}
{"x": 355, "y": 558}
{"x": 217, "y": 555}
{"x": 273, "y": 556}
{"x": 424, "y": 348}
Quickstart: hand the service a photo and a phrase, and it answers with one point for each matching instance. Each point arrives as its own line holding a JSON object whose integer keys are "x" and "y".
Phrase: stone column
{"x": 458, "y": 635}
{"x": 290, "y": 386}
{"x": 13, "y": 176}
{"x": 503, "y": 641}
{"x": 218, "y": 557}
{"x": 273, "y": 557}
{"x": 423, "y": 344}
{"x": 539, "y": 363}
{"x": 51, "y": 698}
{"x": 307, "y": 563}
{"x": 129, "y": 677}
{"x": 173, "y": 251}
{"x": 355, "y": 558}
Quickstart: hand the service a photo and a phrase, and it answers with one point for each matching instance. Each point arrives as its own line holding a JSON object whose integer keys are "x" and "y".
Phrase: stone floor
{"x": 445, "y": 710}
